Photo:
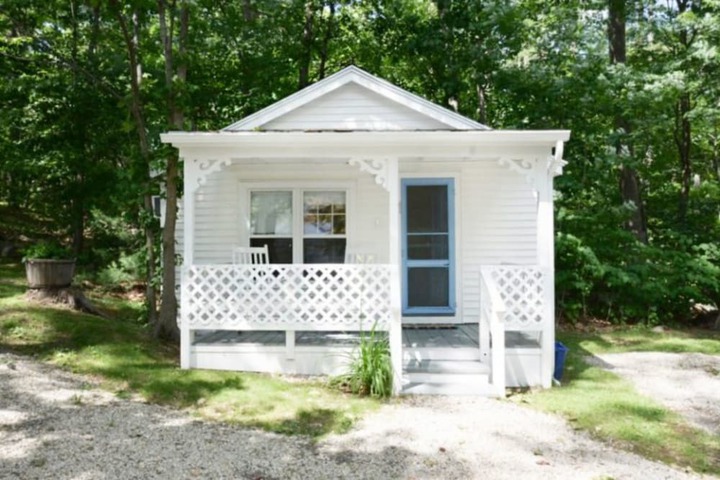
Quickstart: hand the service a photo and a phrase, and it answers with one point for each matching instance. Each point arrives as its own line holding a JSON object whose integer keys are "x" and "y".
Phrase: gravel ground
{"x": 57, "y": 425}
{"x": 688, "y": 383}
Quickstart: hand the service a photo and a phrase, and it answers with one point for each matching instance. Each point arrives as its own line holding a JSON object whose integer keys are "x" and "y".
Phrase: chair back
{"x": 251, "y": 255}
{"x": 359, "y": 258}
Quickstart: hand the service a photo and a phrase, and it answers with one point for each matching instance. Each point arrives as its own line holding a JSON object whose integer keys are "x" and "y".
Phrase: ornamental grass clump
{"x": 370, "y": 369}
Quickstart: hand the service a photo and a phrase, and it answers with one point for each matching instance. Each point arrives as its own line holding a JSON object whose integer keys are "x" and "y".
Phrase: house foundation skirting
{"x": 315, "y": 360}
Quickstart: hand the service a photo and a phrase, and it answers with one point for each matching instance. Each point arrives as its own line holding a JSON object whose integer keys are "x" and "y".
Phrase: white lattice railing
{"x": 523, "y": 290}
{"x": 302, "y": 297}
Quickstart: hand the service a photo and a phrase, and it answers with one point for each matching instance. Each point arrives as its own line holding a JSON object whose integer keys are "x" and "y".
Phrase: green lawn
{"x": 119, "y": 353}
{"x": 608, "y": 407}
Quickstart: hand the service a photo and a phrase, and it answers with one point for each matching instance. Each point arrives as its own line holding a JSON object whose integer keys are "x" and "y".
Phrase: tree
{"x": 630, "y": 187}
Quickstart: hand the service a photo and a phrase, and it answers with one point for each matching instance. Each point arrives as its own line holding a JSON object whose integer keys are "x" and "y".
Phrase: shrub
{"x": 47, "y": 250}
{"x": 371, "y": 369}
{"x": 127, "y": 269}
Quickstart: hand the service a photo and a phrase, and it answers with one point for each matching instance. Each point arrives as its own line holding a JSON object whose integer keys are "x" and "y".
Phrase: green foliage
{"x": 69, "y": 150}
{"x": 47, "y": 250}
{"x": 128, "y": 269}
{"x": 578, "y": 272}
{"x": 371, "y": 370}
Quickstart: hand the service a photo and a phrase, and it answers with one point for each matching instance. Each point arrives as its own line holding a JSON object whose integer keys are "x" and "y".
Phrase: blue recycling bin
{"x": 560, "y": 354}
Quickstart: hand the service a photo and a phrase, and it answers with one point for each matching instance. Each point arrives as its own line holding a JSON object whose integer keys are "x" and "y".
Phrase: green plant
{"x": 126, "y": 269}
{"x": 47, "y": 250}
{"x": 370, "y": 369}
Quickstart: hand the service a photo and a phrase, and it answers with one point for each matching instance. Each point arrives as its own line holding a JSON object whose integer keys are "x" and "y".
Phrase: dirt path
{"x": 57, "y": 425}
{"x": 688, "y": 383}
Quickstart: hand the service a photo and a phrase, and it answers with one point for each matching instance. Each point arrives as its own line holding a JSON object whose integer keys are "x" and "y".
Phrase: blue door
{"x": 428, "y": 241}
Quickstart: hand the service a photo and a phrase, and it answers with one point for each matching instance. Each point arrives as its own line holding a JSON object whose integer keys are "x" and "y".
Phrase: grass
{"x": 600, "y": 402}
{"x": 121, "y": 356}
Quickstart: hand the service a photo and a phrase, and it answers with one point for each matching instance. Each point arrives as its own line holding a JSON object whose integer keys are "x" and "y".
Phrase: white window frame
{"x": 298, "y": 234}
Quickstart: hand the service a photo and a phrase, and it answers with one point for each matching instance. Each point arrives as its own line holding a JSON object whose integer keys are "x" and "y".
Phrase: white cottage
{"x": 378, "y": 208}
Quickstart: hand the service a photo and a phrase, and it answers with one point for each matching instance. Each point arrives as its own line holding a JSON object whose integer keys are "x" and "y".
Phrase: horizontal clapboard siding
{"x": 352, "y": 107}
{"x": 499, "y": 219}
{"x": 220, "y": 217}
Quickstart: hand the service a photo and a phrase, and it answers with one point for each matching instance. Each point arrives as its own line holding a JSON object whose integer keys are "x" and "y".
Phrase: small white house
{"x": 379, "y": 209}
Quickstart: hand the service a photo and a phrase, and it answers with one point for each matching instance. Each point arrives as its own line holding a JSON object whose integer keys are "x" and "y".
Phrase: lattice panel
{"x": 523, "y": 291}
{"x": 305, "y": 295}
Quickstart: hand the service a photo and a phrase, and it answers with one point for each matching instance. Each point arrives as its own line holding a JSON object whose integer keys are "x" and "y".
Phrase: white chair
{"x": 251, "y": 255}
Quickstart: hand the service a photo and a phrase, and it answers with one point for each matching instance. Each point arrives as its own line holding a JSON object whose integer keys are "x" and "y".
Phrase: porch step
{"x": 483, "y": 389}
{"x": 434, "y": 353}
{"x": 462, "y": 367}
{"x": 446, "y": 377}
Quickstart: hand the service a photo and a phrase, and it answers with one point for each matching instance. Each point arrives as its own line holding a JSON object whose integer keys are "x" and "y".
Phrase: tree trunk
{"x": 131, "y": 39}
{"x": 307, "y": 41}
{"x": 167, "y": 327}
{"x": 482, "y": 103}
{"x": 630, "y": 190}
{"x": 683, "y": 132}
{"x": 326, "y": 41}
{"x": 683, "y": 140}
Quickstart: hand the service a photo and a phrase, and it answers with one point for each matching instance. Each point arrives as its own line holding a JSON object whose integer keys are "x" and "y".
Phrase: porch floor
{"x": 413, "y": 336}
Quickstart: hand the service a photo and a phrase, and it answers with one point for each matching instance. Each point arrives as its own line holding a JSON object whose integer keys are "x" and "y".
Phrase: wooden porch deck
{"x": 413, "y": 336}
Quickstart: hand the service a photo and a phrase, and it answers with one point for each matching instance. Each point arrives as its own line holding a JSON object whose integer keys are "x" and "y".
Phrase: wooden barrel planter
{"x": 42, "y": 273}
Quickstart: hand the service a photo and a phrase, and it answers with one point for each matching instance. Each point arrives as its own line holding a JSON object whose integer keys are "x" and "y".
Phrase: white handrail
{"x": 493, "y": 316}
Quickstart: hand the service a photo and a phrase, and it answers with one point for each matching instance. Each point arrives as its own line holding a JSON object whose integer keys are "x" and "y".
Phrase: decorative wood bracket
{"x": 524, "y": 166}
{"x": 378, "y": 167}
{"x": 556, "y": 162}
{"x": 198, "y": 170}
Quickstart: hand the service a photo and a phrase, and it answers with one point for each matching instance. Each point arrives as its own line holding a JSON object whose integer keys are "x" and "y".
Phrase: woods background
{"x": 88, "y": 86}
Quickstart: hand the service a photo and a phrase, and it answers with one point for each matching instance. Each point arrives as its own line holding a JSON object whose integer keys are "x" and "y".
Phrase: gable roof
{"x": 433, "y": 114}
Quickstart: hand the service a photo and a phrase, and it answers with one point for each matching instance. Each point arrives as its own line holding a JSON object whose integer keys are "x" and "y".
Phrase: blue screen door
{"x": 428, "y": 242}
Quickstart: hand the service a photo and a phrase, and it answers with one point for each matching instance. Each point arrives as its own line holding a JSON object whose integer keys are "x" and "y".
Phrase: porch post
{"x": 393, "y": 187}
{"x": 190, "y": 182}
{"x": 546, "y": 262}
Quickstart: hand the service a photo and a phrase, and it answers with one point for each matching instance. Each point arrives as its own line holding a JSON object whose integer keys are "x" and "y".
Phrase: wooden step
{"x": 459, "y": 367}
{"x": 421, "y": 354}
{"x": 446, "y": 377}
{"x": 482, "y": 389}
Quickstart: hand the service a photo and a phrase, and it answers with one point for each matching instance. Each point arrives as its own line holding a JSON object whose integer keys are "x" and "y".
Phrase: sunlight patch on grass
{"x": 643, "y": 339}
{"x": 607, "y": 406}
{"x": 125, "y": 360}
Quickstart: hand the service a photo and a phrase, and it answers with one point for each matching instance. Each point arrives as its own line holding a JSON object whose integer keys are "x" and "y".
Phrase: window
{"x": 271, "y": 224}
{"x": 307, "y": 226}
{"x": 324, "y": 237}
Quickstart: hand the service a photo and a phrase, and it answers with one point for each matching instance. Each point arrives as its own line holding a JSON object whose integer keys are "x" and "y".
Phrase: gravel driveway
{"x": 688, "y": 383}
{"x": 57, "y": 425}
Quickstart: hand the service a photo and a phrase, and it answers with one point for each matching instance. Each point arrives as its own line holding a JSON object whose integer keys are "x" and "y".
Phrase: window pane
{"x": 324, "y": 250}
{"x": 279, "y": 249}
{"x": 271, "y": 213}
{"x": 428, "y": 287}
{"x": 324, "y": 213}
{"x": 427, "y": 208}
{"x": 428, "y": 247}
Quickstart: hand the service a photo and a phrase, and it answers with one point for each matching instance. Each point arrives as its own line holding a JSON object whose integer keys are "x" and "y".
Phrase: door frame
{"x": 425, "y": 313}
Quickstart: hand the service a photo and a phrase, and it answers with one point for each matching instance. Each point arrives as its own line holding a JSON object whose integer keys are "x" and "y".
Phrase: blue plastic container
{"x": 560, "y": 354}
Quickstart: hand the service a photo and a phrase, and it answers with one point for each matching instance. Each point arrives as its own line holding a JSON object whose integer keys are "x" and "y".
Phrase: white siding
{"x": 495, "y": 221}
{"x": 221, "y": 218}
{"x": 352, "y": 107}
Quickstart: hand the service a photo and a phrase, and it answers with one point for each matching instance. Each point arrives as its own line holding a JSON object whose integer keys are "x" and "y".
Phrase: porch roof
{"x": 277, "y": 139}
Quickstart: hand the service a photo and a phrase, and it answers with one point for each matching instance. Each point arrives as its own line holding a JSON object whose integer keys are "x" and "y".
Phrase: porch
{"x": 307, "y": 319}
